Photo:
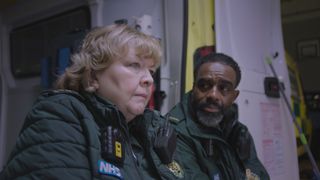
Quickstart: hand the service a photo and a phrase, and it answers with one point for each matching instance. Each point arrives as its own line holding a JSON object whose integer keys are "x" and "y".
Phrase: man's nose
{"x": 215, "y": 94}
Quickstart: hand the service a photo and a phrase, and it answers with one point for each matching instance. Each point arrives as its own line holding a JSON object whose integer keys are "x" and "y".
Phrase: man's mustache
{"x": 203, "y": 105}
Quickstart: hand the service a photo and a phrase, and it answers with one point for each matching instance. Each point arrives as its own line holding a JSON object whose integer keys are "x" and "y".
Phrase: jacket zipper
{"x": 125, "y": 129}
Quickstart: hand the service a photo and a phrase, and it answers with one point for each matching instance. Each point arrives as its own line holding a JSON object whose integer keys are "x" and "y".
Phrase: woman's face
{"x": 127, "y": 83}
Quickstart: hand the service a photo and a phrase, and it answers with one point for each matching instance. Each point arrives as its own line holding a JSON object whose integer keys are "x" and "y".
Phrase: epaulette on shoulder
{"x": 174, "y": 119}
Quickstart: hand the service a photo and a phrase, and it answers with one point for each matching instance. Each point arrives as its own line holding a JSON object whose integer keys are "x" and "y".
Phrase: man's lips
{"x": 211, "y": 108}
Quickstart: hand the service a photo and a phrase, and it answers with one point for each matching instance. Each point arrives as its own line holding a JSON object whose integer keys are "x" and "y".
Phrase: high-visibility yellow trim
{"x": 200, "y": 32}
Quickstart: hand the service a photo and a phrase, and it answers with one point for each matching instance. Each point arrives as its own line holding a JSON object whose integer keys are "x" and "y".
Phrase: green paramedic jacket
{"x": 224, "y": 163}
{"x": 60, "y": 140}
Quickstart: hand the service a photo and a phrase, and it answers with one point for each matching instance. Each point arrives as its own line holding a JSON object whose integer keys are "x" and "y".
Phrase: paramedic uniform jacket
{"x": 60, "y": 140}
{"x": 193, "y": 143}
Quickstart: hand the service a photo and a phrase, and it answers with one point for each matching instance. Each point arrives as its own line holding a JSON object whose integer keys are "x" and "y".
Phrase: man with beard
{"x": 211, "y": 140}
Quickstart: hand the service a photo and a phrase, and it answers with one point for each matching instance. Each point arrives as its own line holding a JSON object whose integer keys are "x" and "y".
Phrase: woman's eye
{"x": 135, "y": 65}
{"x": 152, "y": 72}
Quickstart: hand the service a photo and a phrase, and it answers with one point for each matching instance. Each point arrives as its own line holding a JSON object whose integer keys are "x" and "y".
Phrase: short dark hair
{"x": 220, "y": 58}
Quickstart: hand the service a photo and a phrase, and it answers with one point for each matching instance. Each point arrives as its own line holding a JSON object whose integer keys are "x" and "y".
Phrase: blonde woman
{"x": 95, "y": 125}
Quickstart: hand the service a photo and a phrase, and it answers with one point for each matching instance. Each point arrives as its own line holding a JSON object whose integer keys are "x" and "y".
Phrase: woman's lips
{"x": 142, "y": 96}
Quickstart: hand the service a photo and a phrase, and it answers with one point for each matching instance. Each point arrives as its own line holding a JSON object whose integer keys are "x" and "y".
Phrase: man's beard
{"x": 209, "y": 119}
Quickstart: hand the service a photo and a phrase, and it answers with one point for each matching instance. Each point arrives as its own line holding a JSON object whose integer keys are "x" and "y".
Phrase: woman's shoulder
{"x": 55, "y": 95}
{"x": 57, "y": 103}
{"x": 59, "y": 98}
{"x": 55, "y": 109}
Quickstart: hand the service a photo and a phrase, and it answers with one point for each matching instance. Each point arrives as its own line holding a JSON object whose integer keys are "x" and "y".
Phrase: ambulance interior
{"x": 37, "y": 38}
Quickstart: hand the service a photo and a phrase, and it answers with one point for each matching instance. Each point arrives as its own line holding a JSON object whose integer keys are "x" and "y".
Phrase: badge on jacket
{"x": 109, "y": 169}
{"x": 112, "y": 148}
{"x": 251, "y": 176}
{"x": 176, "y": 169}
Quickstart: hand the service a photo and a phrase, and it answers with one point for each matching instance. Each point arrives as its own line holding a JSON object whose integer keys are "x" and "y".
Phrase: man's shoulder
{"x": 176, "y": 115}
{"x": 153, "y": 118}
{"x": 156, "y": 119}
{"x": 175, "y": 120}
{"x": 178, "y": 121}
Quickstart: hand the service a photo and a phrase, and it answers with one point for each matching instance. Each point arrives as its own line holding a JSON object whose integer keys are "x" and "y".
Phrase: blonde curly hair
{"x": 102, "y": 46}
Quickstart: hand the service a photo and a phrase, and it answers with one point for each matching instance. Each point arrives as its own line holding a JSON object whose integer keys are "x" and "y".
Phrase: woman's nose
{"x": 147, "y": 79}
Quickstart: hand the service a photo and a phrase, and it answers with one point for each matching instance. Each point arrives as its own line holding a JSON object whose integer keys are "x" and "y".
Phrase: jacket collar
{"x": 105, "y": 109}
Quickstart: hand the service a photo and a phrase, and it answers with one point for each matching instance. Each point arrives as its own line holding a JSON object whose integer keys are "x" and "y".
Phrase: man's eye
{"x": 225, "y": 88}
{"x": 204, "y": 85}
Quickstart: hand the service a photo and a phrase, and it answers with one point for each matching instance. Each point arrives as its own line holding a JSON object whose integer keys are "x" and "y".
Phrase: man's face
{"x": 213, "y": 91}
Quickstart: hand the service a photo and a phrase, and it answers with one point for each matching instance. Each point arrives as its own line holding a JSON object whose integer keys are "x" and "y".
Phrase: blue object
{"x": 45, "y": 73}
{"x": 63, "y": 60}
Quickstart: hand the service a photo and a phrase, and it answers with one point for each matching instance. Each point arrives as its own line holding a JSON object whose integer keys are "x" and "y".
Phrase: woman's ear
{"x": 93, "y": 83}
